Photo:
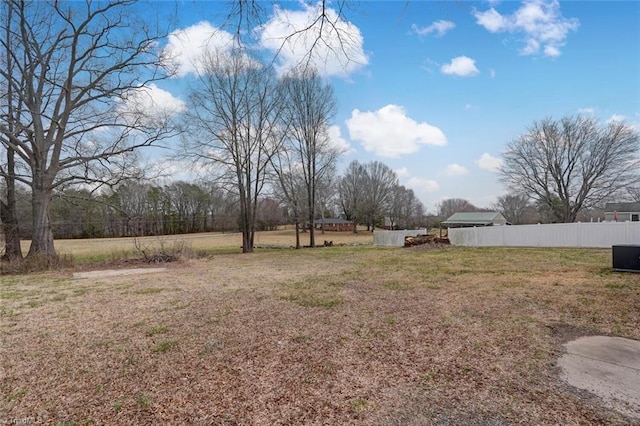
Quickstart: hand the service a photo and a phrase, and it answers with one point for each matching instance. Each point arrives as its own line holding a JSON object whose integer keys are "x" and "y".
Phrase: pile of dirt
{"x": 425, "y": 239}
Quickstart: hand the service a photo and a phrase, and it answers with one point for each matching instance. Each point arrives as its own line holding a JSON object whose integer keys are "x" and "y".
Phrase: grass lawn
{"x": 109, "y": 249}
{"x": 336, "y": 335}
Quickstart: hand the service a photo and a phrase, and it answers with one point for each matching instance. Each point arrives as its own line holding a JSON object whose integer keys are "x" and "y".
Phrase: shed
{"x": 622, "y": 212}
{"x": 466, "y": 219}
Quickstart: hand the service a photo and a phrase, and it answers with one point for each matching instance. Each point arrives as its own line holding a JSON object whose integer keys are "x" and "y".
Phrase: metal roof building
{"x": 463, "y": 219}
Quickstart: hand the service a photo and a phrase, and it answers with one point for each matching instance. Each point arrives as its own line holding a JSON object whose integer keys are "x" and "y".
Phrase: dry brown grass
{"x": 117, "y": 248}
{"x": 340, "y": 335}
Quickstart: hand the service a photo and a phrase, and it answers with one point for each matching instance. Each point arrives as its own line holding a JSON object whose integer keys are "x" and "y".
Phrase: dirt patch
{"x": 564, "y": 333}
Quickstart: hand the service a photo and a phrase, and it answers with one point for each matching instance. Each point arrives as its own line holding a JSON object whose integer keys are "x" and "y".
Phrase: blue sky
{"x": 436, "y": 90}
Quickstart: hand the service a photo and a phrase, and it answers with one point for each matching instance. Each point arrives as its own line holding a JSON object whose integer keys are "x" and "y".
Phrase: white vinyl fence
{"x": 394, "y": 238}
{"x": 590, "y": 234}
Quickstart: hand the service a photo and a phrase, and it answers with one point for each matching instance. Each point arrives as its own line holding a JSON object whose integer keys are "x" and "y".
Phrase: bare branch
{"x": 572, "y": 164}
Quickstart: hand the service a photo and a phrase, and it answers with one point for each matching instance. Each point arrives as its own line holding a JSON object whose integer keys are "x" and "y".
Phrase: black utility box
{"x": 626, "y": 258}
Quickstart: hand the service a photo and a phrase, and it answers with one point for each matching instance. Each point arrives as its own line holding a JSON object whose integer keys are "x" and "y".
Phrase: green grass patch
{"x": 7, "y": 313}
{"x": 359, "y": 406}
{"x": 34, "y": 303}
{"x": 16, "y": 395}
{"x": 165, "y": 346}
{"x": 396, "y": 285}
{"x": 300, "y": 338}
{"x": 314, "y": 292}
{"x": 61, "y": 297}
{"x": 80, "y": 291}
{"x": 525, "y": 319}
{"x": 150, "y": 290}
{"x": 156, "y": 330}
{"x": 12, "y": 294}
{"x": 143, "y": 401}
{"x": 617, "y": 286}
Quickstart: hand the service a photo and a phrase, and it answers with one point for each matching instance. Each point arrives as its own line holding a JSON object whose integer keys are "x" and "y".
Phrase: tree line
{"x": 146, "y": 209}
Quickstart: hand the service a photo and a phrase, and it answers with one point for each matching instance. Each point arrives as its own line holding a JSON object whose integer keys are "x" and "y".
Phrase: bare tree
{"x": 223, "y": 208}
{"x": 188, "y": 203}
{"x": 405, "y": 209}
{"x": 351, "y": 192}
{"x": 448, "y": 207}
{"x": 379, "y": 184}
{"x": 79, "y": 75}
{"x": 310, "y": 105}
{"x": 290, "y": 187}
{"x": 10, "y": 108}
{"x": 633, "y": 194}
{"x": 324, "y": 33}
{"x": 366, "y": 192}
{"x": 514, "y": 207}
{"x": 326, "y": 195}
{"x": 234, "y": 121}
{"x": 572, "y": 163}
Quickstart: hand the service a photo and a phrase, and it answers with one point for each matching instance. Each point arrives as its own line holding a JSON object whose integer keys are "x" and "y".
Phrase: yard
{"x": 336, "y": 335}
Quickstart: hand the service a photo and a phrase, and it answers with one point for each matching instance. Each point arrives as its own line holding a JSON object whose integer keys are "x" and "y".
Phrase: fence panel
{"x": 591, "y": 234}
{"x": 394, "y": 238}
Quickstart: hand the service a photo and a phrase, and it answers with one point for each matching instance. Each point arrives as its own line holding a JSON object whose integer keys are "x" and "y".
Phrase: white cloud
{"x": 540, "y": 22}
{"x": 389, "y": 132}
{"x": 489, "y": 162}
{"x": 462, "y": 66}
{"x": 492, "y": 72}
{"x": 455, "y": 170}
{"x": 587, "y": 111}
{"x": 491, "y": 20}
{"x": 440, "y": 28}
{"x": 422, "y": 185}
{"x": 151, "y": 103}
{"x": 336, "y": 140}
{"x": 552, "y": 51}
{"x": 402, "y": 172}
{"x": 334, "y": 46}
{"x": 616, "y": 118}
{"x": 186, "y": 46}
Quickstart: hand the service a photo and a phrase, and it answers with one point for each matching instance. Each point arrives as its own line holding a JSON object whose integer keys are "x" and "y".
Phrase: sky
{"x": 436, "y": 90}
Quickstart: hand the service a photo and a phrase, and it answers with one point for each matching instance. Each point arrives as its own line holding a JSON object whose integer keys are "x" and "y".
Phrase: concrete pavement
{"x": 608, "y": 367}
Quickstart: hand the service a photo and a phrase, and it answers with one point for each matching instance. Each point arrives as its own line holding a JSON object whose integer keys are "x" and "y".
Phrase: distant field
{"x": 357, "y": 334}
{"x": 211, "y": 242}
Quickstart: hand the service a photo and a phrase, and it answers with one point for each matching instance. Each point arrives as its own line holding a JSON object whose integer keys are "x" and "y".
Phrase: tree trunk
{"x": 297, "y": 235}
{"x": 312, "y": 234}
{"x": 8, "y": 216}
{"x": 247, "y": 235}
{"x": 312, "y": 222}
{"x": 42, "y": 238}
{"x": 12, "y": 249}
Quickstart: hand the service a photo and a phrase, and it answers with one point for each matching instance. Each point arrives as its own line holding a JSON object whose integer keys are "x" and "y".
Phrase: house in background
{"x": 622, "y": 212}
{"x": 339, "y": 225}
